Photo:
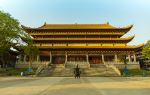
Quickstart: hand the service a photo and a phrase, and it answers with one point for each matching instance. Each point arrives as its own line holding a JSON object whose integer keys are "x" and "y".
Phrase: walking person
{"x": 77, "y": 72}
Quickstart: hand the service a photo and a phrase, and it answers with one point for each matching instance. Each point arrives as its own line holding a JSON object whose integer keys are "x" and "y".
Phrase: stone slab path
{"x": 72, "y": 86}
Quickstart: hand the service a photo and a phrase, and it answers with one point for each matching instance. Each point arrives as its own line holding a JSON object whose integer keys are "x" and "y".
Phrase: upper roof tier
{"x": 78, "y": 26}
{"x": 83, "y": 40}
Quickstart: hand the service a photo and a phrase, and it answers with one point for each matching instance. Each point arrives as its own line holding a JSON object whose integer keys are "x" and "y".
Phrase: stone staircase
{"x": 96, "y": 71}
{"x": 72, "y": 64}
{"x": 61, "y": 72}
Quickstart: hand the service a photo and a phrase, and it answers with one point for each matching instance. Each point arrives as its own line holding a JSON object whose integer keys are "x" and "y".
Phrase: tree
{"x": 146, "y": 50}
{"x": 12, "y": 35}
{"x": 30, "y": 50}
{"x": 10, "y": 32}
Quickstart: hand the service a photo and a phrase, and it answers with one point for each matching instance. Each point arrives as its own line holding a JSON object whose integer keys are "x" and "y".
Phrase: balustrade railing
{"x": 77, "y": 33}
{"x": 111, "y": 62}
{"x": 40, "y": 38}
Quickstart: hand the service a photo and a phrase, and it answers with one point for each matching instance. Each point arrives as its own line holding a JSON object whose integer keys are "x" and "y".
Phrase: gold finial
{"x": 45, "y": 23}
{"x": 107, "y": 22}
{"x": 76, "y": 24}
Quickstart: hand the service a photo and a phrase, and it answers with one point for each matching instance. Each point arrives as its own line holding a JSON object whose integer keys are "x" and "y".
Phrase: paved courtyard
{"x": 71, "y": 86}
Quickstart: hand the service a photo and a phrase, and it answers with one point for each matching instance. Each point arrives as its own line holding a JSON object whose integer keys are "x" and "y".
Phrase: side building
{"x": 85, "y": 44}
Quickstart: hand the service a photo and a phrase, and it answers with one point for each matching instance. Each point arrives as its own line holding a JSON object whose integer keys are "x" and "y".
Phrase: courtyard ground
{"x": 72, "y": 86}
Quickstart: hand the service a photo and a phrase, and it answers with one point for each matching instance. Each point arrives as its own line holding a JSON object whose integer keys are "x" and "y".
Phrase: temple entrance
{"x": 76, "y": 59}
{"x": 58, "y": 59}
{"x": 95, "y": 60}
{"x": 109, "y": 58}
{"x": 44, "y": 58}
{"x": 81, "y": 60}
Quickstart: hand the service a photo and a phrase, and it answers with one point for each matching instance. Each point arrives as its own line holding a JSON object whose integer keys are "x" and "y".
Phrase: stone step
{"x": 97, "y": 66}
{"x": 85, "y": 72}
{"x": 61, "y": 72}
{"x": 74, "y": 64}
{"x": 98, "y": 72}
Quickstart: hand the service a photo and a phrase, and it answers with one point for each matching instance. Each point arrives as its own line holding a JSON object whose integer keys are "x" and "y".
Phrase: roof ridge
{"x": 79, "y": 26}
{"x": 103, "y": 25}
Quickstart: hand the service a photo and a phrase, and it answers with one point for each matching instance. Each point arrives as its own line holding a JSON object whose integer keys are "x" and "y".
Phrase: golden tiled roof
{"x": 96, "y": 39}
{"x": 92, "y": 47}
{"x": 78, "y": 26}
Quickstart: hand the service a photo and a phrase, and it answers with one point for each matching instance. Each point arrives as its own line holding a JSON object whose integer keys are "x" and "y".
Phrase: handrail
{"x": 113, "y": 67}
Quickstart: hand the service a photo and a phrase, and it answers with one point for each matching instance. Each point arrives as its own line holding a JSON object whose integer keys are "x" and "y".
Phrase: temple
{"x": 83, "y": 44}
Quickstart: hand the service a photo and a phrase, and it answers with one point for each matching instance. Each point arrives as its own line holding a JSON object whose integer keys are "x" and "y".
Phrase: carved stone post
{"x": 37, "y": 58}
{"x": 87, "y": 58}
{"x": 66, "y": 58}
{"x": 116, "y": 58}
{"x": 134, "y": 56}
{"x": 50, "y": 55}
{"x": 103, "y": 60}
{"x": 129, "y": 57}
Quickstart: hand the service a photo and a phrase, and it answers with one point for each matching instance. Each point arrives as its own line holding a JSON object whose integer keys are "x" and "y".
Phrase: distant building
{"x": 83, "y": 43}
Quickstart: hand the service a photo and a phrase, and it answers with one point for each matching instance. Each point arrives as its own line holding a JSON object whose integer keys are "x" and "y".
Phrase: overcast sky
{"x": 120, "y": 13}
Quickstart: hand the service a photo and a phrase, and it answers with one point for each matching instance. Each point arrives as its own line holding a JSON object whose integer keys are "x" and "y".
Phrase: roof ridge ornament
{"x": 107, "y": 23}
{"x": 45, "y": 23}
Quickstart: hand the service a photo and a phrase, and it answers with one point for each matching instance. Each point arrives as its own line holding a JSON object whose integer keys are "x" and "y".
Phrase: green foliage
{"x": 30, "y": 50}
{"x": 12, "y": 35}
{"x": 146, "y": 50}
{"x": 135, "y": 72}
{"x": 16, "y": 72}
{"x": 9, "y": 29}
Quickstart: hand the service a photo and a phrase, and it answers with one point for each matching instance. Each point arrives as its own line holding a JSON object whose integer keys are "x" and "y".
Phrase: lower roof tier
{"x": 78, "y": 34}
{"x": 91, "y": 47}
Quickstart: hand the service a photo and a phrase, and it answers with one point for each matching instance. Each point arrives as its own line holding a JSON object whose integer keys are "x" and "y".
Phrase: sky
{"x": 119, "y": 13}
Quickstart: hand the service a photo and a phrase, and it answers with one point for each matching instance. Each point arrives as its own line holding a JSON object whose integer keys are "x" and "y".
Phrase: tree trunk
{"x": 2, "y": 62}
{"x": 30, "y": 63}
